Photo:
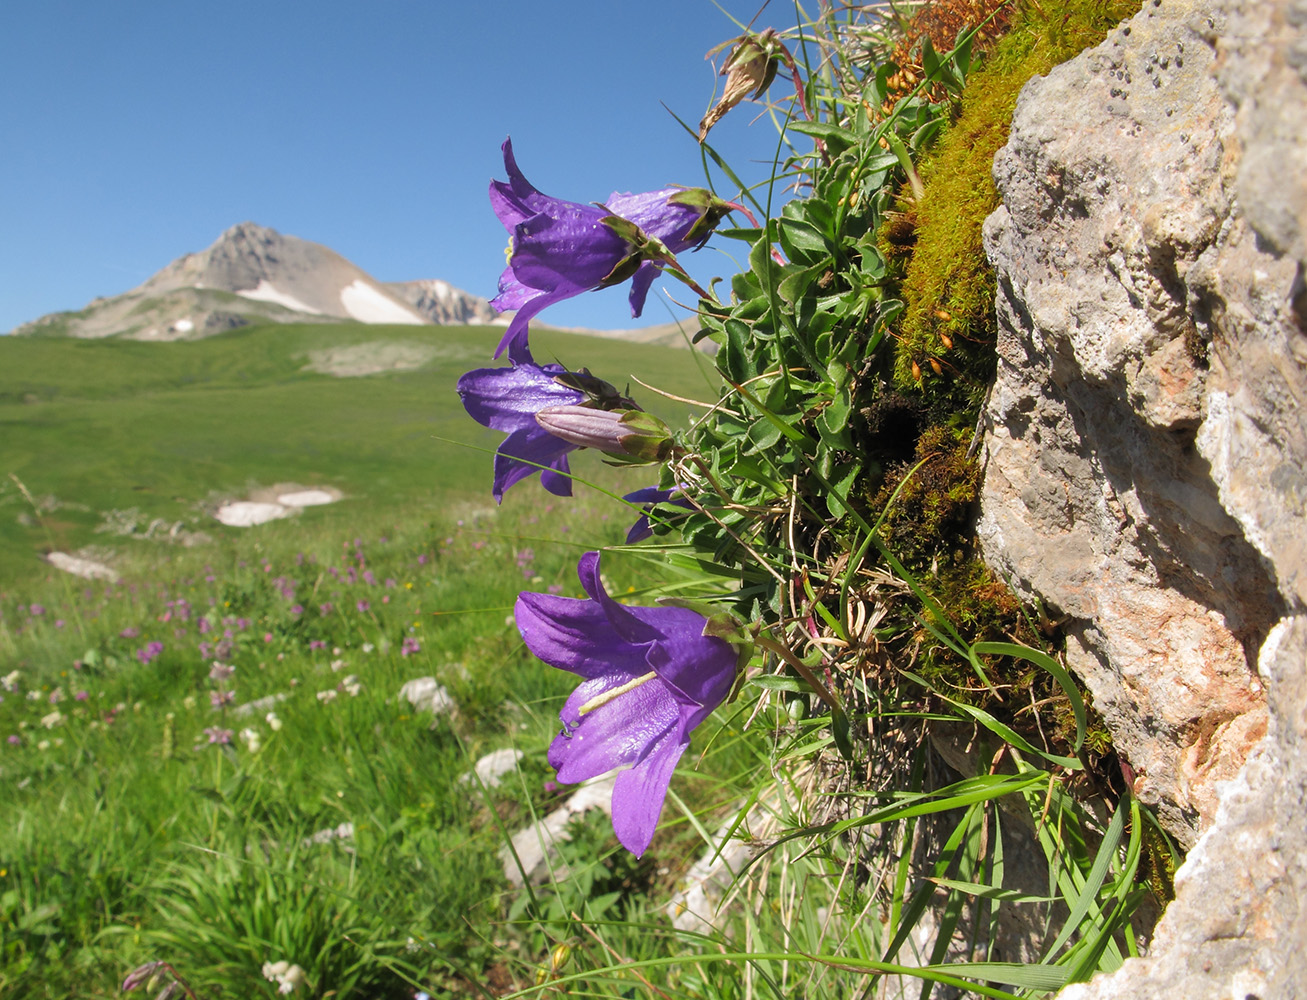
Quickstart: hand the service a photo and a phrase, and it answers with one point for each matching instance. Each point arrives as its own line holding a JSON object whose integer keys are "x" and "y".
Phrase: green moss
{"x": 933, "y": 505}
{"x": 946, "y": 337}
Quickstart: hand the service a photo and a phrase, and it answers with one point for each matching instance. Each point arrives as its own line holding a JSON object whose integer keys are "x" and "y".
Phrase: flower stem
{"x": 787, "y": 654}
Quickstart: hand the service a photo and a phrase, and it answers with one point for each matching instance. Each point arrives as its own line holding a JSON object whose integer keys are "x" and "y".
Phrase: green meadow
{"x": 211, "y": 762}
{"x": 150, "y": 816}
{"x": 159, "y": 429}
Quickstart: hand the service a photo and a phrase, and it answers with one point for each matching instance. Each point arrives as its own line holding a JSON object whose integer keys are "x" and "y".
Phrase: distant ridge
{"x": 442, "y": 303}
{"x": 253, "y": 274}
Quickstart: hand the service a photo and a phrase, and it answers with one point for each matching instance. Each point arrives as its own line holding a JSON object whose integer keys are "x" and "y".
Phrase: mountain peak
{"x": 254, "y": 274}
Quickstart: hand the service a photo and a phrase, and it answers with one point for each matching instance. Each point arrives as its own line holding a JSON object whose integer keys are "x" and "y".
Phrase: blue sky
{"x": 132, "y": 132}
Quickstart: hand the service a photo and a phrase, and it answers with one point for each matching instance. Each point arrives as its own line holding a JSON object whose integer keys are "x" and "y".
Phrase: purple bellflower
{"x": 650, "y": 497}
{"x": 648, "y": 677}
{"x": 507, "y": 399}
{"x": 512, "y": 399}
{"x": 558, "y": 249}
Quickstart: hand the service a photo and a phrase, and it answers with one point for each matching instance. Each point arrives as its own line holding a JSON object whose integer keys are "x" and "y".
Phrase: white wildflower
{"x": 253, "y": 739}
{"x": 352, "y": 686}
{"x": 43, "y": 745}
{"x": 53, "y": 719}
{"x": 273, "y": 722}
{"x": 327, "y": 695}
{"x": 10, "y": 681}
{"x": 287, "y": 977}
{"x": 337, "y": 666}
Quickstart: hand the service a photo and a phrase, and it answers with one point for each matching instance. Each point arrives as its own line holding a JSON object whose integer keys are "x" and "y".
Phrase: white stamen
{"x": 598, "y": 701}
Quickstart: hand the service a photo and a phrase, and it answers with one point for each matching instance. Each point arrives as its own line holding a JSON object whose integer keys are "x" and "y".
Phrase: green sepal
{"x": 711, "y": 211}
{"x": 645, "y": 436}
{"x": 622, "y": 270}
{"x": 643, "y": 247}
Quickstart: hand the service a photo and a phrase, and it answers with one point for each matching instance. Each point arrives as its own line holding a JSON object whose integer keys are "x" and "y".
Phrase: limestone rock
{"x": 441, "y": 302}
{"x": 1145, "y": 466}
{"x": 1103, "y": 494}
{"x": 491, "y": 768}
{"x": 426, "y": 694}
{"x": 535, "y": 848}
{"x": 88, "y": 569}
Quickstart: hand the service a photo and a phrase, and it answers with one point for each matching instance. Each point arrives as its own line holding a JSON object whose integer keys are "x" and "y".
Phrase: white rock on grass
{"x": 343, "y": 832}
{"x": 426, "y": 694}
{"x": 87, "y": 569}
{"x": 491, "y": 768}
{"x": 703, "y": 891}
{"x": 306, "y": 498}
{"x": 535, "y": 848}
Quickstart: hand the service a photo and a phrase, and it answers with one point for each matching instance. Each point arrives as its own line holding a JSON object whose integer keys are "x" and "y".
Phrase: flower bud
{"x": 623, "y": 433}
{"x": 140, "y": 974}
{"x": 559, "y": 956}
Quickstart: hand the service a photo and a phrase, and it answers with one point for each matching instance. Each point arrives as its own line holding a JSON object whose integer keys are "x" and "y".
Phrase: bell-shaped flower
{"x": 650, "y": 497}
{"x": 558, "y": 248}
{"x": 511, "y": 399}
{"x": 648, "y": 677}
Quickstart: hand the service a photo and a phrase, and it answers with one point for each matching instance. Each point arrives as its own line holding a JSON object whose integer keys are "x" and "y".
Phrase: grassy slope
{"x": 113, "y": 424}
{"x": 116, "y": 811}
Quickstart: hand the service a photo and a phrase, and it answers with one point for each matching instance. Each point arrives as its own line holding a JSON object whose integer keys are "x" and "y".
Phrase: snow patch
{"x": 306, "y": 498}
{"x": 370, "y": 305}
{"x": 265, "y": 291}
{"x": 183, "y": 326}
{"x": 246, "y": 513}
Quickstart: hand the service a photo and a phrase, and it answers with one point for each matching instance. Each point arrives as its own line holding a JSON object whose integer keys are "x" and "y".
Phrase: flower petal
{"x": 518, "y": 199}
{"x": 698, "y": 669}
{"x": 640, "y": 285}
{"x": 574, "y": 635}
{"x": 507, "y": 399}
{"x": 626, "y": 624}
{"x": 558, "y": 483}
{"x": 620, "y": 733}
{"x": 514, "y": 340}
{"x": 569, "y": 248}
{"x": 512, "y": 293}
{"x": 638, "y": 794}
{"x": 523, "y": 453}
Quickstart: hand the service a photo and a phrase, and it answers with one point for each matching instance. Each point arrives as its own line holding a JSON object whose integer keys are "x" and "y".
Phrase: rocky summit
{"x": 253, "y": 274}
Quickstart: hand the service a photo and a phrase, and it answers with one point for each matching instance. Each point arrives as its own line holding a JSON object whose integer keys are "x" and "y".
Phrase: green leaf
{"x": 799, "y": 236}
{"x": 824, "y": 131}
{"x": 794, "y": 286}
{"x": 839, "y": 727}
{"x": 842, "y": 479}
{"x": 1042, "y": 659}
{"x": 779, "y": 682}
{"x": 833, "y": 422}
